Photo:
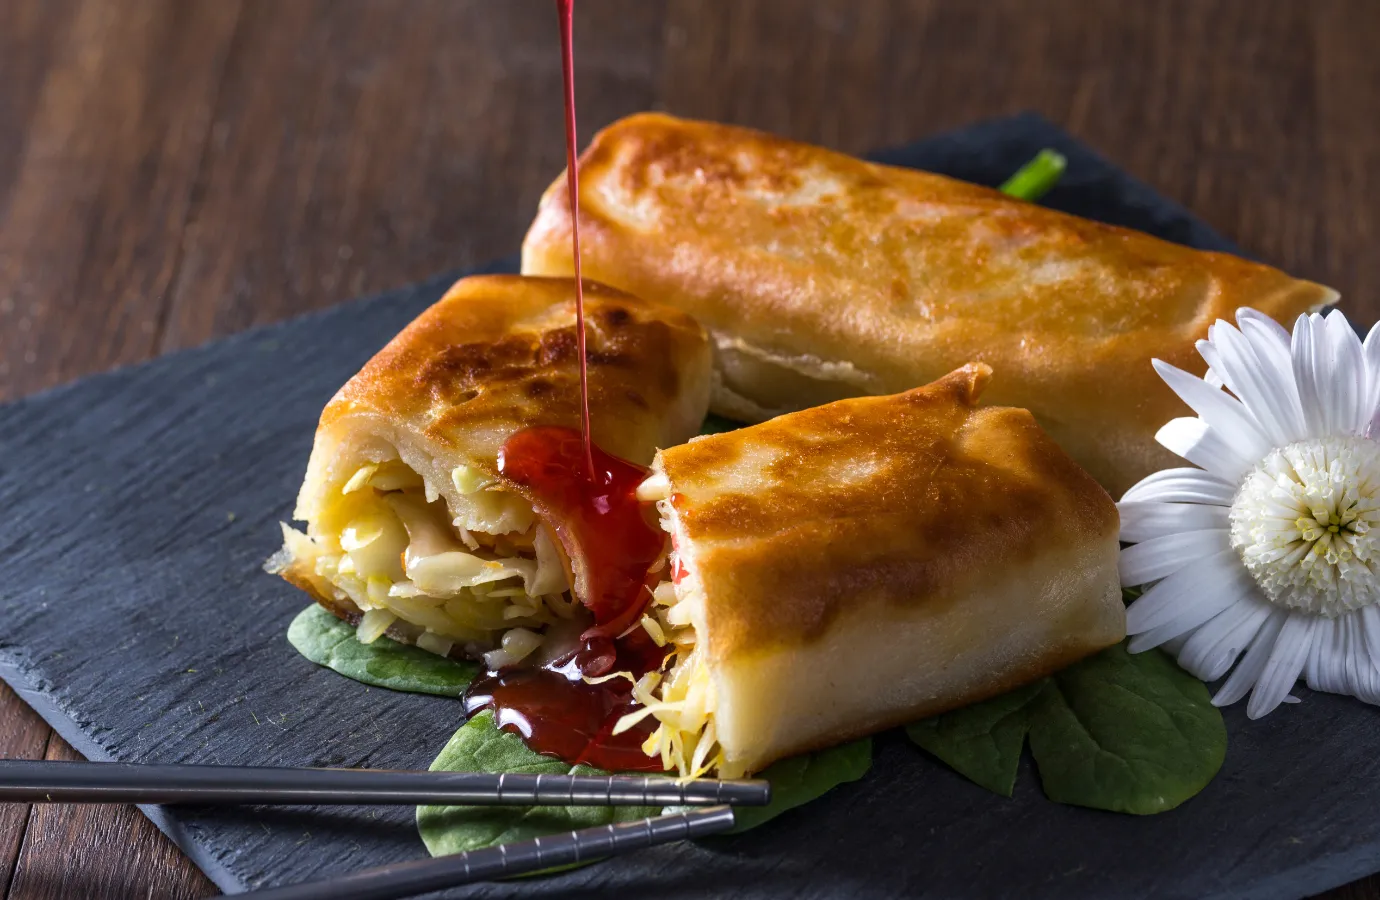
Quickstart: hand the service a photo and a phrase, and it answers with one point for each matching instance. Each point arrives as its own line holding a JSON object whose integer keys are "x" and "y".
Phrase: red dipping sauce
{"x": 599, "y": 522}
{"x": 570, "y": 720}
{"x": 605, "y": 530}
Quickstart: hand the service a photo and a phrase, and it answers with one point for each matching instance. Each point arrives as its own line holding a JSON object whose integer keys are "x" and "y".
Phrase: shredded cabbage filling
{"x": 680, "y": 694}
{"x": 490, "y": 580}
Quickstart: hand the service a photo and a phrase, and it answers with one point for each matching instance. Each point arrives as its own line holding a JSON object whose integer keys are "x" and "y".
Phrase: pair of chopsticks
{"x": 27, "y": 781}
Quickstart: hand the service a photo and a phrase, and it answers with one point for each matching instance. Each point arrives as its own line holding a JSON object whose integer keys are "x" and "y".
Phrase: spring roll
{"x": 864, "y": 564}
{"x": 410, "y": 527}
{"x": 820, "y": 276}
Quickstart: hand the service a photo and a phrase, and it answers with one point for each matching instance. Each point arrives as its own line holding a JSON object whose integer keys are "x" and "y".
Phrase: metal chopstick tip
{"x": 741, "y": 792}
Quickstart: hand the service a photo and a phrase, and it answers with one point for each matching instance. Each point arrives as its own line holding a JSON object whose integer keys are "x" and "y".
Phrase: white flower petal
{"x": 1325, "y": 669}
{"x": 1312, "y": 667}
{"x": 1331, "y": 372}
{"x": 1142, "y": 521}
{"x": 1191, "y": 596}
{"x": 1363, "y": 673}
{"x": 1370, "y": 352}
{"x": 1370, "y": 625}
{"x": 1281, "y": 671}
{"x": 1214, "y": 648}
{"x": 1346, "y": 378}
{"x": 1200, "y": 444}
{"x": 1163, "y": 636}
{"x": 1213, "y": 379}
{"x": 1174, "y": 645}
{"x": 1227, "y": 416}
{"x": 1259, "y": 382}
{"x": 1154, "y": 559}
{"x": 1244, "y": 675}
{"x": 1264, "y": 332}
{"x": 1309, "y": 373}
{"x": 1182, "y": 486}
{"x": 1212, "y": 358}
{"x": 1271, "y": 343}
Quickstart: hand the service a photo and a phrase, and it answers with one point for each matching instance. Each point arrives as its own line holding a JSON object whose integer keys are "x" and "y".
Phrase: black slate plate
{"x": 136, "y": 508}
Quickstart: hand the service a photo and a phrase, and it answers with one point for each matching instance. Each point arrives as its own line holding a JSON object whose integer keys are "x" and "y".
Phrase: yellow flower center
{"x": 1304, "y": 523}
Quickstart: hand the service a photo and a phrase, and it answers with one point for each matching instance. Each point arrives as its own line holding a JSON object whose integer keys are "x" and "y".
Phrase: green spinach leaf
{"x": 800, "y": 779}
{"x": 1117, "y": 731}
{"x": 982, "y": 742}
{"x": 327, "y": 641}
{"x": 480, "y": 746}
{"x": 1127, "y": 732}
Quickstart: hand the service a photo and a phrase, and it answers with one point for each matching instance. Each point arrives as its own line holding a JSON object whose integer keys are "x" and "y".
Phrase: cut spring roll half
{"x": 821, "y": 276}
{"x": 864, "y": 564}
{"x": 410, "y": 527}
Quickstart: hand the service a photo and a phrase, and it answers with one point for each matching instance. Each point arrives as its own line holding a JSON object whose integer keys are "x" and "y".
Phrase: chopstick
{"x": 519, "y": 858}
{"x": 32, "y": 781}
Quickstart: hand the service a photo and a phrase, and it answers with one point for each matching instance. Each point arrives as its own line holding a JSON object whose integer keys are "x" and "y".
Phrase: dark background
{"x": 176, "y": 170}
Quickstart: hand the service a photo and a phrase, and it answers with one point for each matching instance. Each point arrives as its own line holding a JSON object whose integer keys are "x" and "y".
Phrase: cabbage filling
{"x": 680, "y": 694}
{"x": 489, "y": 580}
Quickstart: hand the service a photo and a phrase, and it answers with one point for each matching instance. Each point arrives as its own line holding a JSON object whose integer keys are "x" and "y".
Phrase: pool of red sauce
{"x": 602, "y": 525}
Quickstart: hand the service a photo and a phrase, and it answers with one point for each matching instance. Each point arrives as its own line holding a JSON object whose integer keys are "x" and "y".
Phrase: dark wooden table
{"x": 172, "y": 171}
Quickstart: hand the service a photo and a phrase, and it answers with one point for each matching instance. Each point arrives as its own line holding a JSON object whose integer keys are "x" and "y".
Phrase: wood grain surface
{"x": 176, "y": 170}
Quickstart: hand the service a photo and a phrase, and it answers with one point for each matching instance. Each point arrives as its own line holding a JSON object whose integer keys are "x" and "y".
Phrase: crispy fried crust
{"x": 876, "y": 560}
{"x": 497, "y": 354}
{"x": 821, "y": 276}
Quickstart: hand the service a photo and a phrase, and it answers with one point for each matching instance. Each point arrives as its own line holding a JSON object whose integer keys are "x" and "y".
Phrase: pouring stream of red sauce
{"x": 590, "y": 498}
{"x": 564, "y": 8}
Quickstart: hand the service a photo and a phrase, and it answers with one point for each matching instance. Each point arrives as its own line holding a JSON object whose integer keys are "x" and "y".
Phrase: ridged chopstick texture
{"x": 29, "y": 781}
{"x": 505, "y": 860}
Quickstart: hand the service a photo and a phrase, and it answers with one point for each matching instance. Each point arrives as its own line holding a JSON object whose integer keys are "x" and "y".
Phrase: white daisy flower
{"x": 1268, "y": 548}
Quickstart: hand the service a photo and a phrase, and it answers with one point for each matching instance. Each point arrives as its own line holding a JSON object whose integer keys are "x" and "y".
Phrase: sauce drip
{"x": 590, "y": 498}
{"x": 601, "y": 525}
{"x": 564, "y": 8}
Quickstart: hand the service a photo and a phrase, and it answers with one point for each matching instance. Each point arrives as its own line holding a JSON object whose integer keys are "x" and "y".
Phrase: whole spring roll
{"x": 821, "y": 276}
{"x": 411, "y": 529}
{"x": 864, "y": 564}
